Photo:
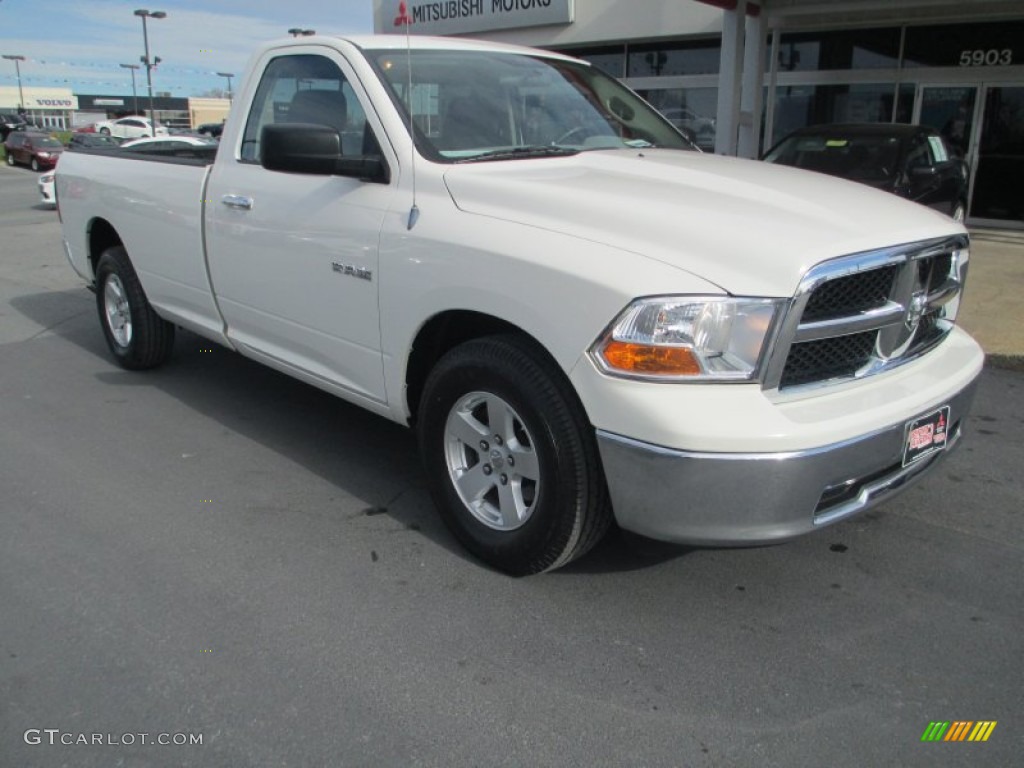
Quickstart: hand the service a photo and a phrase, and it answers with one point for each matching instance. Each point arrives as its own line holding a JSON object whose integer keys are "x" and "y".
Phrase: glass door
{"x": 950, "y": 109}
{"x": 998, "y": 191}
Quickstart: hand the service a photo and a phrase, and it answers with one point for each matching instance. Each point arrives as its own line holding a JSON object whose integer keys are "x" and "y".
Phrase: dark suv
{"x": 10, "y": 122}
{"x": 36, "y": 150}
{"x": 912, "y": 161}
{"x": 211, "y": 129}
{"x": 93, "y": 141}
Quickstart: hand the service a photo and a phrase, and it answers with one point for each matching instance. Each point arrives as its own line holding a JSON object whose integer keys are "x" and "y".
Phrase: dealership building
{"x": 46, "y": 107}
{"x": 741, "y": 74}
{"x": 58, "y": 109}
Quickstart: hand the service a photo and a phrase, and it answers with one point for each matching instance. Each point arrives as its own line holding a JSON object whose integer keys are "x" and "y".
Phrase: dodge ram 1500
{"x": 583, "y": 318}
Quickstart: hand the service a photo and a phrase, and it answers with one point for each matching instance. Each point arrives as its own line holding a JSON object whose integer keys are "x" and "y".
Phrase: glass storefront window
{"x": 846, "y": 49}
{"x": 998, "y": 193}
{"x": 999, "y": 44}
{"x": 663, "y": 59}
{"x": 797, "y": 106}
{"x": 905, "y": 103}
{"x": 691, "y": 110}
{"x": 950, "y": 110}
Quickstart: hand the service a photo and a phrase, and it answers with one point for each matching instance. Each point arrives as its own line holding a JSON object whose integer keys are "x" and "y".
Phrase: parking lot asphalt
{"x": 213, "y": 548}
{"x": 993, "y": 307}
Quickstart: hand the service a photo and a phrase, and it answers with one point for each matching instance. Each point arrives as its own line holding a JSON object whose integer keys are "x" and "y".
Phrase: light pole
{"x": 17, "y": 68}
{"x": 135, "y": 95}
{"x": 228, "y": 75}
{"x": 144, "y": 14}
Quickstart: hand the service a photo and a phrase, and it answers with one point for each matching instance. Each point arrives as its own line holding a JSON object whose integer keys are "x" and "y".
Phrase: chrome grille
{"x": 851, "y": 294}
{"x": 827, "y": 358}
{"x": 869, "y": 312}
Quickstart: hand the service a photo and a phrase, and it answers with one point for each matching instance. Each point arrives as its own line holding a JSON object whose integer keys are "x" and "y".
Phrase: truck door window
{"x": 306, "y": 88}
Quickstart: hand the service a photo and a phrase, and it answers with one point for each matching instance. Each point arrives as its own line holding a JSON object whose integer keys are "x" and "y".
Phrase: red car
{"x": 36, "y": 150}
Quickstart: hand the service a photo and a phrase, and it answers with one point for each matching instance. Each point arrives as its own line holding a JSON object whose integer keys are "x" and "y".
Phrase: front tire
{"x": 35, "y": 165}
{"x": 137, "y": 336}
{"x": 10, "y": 158}
{"x": 510, "y": 457}
{"x": 959, "y": 211}
{"x": 105, "y": 131}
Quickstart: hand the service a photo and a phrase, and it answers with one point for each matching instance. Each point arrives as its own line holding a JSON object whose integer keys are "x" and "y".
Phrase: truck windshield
{"x": 472, "y": 105}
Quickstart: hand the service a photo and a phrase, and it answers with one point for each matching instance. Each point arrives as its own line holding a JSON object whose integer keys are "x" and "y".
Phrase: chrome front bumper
{"x": 721, "y": 499}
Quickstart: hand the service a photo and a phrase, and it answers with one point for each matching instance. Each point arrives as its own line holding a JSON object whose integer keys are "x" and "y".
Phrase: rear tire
{"x": 10, "y": 158}
{"x": 137, "y": 336}
{"x": 105, "y": 131}
{"x": 511, "y": 460}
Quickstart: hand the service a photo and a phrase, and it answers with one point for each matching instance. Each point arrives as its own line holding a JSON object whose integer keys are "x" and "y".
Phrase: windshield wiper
{"x": 517, "y": 153}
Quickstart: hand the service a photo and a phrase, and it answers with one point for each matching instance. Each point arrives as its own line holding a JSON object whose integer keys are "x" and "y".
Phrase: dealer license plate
{"x": 926, "y": 435}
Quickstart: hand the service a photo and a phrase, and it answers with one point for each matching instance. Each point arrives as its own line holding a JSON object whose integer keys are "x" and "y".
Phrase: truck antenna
{"x": 405, "y": 20}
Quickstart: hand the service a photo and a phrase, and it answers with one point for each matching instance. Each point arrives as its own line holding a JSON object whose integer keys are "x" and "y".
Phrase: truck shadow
{"x": 363, "y": 455}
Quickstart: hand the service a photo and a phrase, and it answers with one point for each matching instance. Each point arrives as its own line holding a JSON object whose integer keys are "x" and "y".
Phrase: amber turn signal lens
{"x": 650, "y": 360}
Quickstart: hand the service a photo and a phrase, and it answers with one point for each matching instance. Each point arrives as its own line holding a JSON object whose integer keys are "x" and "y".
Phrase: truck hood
{"x": 750, "y": 227}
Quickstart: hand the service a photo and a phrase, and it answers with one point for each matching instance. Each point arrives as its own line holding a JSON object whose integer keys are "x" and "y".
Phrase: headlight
{"x": 685, "y": 338}
{"x": 44, "y": 154}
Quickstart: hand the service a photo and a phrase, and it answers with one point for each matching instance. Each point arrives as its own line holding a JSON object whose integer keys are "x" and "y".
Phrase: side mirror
{"x": 316, "y": 149}
{"x": 923, "y": 171}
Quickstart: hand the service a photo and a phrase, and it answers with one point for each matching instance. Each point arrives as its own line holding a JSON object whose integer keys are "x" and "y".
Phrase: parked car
{"x": 9, "y": 122}
{"x": 912, "y": 161}
{"x": 211, "y": 129}
{"x": 36, "y": 150}
{"x": 130, "y": 127}
{"x": 46, "y": 188}
{"x": 93, "y": 141}
{"x": 701, "y": 129}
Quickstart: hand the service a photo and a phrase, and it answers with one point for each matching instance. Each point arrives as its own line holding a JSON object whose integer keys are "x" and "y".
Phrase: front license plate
{"x": 926, "y": 435}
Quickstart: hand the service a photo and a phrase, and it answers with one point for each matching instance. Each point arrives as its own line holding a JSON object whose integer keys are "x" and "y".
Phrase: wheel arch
{"x": 445, "y": 331}
{"x": 100, "y": 235}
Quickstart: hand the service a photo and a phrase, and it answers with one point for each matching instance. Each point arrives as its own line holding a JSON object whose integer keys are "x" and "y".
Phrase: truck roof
{"x": 417, "y": 42}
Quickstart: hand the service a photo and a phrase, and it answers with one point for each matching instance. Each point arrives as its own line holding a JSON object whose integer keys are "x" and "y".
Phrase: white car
{"x": 46, "y": 188}
{"x": 129, "y": 127}
{"x": 169, "y": 142}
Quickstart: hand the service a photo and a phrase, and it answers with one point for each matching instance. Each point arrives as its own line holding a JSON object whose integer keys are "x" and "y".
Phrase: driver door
{"x": 293, "y": 257}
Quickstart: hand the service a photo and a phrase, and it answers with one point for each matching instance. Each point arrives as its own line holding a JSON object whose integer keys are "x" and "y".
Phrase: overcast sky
{"x": 78, "y": 44}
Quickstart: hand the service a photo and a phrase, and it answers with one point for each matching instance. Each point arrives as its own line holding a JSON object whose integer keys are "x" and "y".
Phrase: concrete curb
{"x": 1006, "y": 362}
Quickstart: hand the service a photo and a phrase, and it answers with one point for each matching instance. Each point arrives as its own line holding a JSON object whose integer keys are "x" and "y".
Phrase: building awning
{"x": 795, "y": 14}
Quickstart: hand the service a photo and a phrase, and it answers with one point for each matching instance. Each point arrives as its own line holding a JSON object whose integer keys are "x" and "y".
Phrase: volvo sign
{"x": 456, "y": 17}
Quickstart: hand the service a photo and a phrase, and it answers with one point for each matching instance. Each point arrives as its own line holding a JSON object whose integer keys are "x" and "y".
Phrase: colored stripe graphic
{"x": 982, "y": 730}
{"x": 959, "y": 730}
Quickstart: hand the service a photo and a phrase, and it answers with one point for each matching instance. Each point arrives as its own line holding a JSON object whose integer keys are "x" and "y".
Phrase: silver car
{"x": 47, "y": 189}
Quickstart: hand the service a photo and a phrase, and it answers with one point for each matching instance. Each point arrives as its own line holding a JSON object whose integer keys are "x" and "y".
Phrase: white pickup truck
{"x": 583, "y": 318}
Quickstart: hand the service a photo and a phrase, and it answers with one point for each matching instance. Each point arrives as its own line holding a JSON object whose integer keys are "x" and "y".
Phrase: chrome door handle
{"x": 237, "y": 201}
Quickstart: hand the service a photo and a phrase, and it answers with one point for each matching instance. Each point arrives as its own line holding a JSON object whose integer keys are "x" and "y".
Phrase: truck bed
{"x": 155, "y": 201}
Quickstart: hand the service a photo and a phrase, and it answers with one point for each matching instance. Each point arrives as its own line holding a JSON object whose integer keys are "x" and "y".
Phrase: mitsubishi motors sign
{"x": 456, "y": 17}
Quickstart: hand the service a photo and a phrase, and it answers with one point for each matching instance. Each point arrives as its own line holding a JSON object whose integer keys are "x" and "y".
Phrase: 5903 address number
{"x": 991, "y": 57}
